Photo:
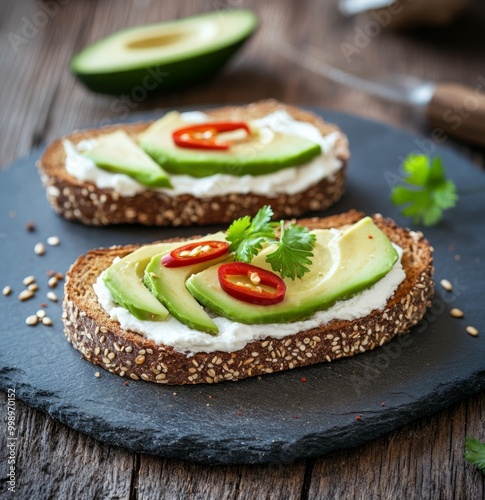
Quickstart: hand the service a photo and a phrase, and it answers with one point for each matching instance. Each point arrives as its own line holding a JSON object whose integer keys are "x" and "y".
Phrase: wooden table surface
{"x": 41, "y": 100}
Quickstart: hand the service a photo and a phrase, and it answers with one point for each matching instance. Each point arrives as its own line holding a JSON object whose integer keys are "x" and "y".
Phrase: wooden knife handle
{"x": 459, "y": 111}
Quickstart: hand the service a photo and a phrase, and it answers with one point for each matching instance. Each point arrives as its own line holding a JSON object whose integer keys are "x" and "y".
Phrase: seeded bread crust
{"x": 86, "y": 203}
{"x": 103, "y": 342}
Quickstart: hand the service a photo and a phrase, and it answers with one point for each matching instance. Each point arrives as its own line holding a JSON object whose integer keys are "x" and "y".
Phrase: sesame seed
{"x": 32, "y": 320}
{"x": 139, "y": 360}
{"x": 97, "y": 374}
{"x": 456, "y": 313}
{"x": 28, "y": 280}
{"x": 46, "y": 321}
{"x": 33, "y": 287}
{"x": 52, "y": 296}
{"x": 129, "y": 349}
{"x": 39, "y": 248}
{"x": 446, "y": 285}
{"x": 40, "y": 313}
{"x": 133, "y": 376}
{"x": 53, "y": 240}
{"x": 471, "y": 330}
{"x": 25, "y": 295}
{"x": 7, "y": 290}
{"x": 52, "y": 282}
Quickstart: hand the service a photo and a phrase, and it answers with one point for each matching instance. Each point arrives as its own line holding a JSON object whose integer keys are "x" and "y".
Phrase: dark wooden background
{"x": 40, "y": 100}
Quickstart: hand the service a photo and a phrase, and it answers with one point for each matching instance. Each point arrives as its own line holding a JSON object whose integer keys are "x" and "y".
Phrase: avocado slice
{"x": 124, "y": 280}
{"x": 255, "y": 155}
{"x": 342, "y": 266}
{"x": 167, "y": 284}
{"x": 119, "y": 153}
{"x": 153, "y": 57}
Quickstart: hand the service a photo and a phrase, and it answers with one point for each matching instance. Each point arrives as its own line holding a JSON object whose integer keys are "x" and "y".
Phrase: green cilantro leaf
{"x": 475, "y": 453}
{"x": 247, "y": 236}
{"x": 427, "y": 192}
{"x": 294, "y": 245}
{"x": 293, "y": 252}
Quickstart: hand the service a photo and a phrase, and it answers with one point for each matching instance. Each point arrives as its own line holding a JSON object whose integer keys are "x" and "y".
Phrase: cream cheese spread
{"x": 288, "y": 180}
{"x": 234, "y": 336}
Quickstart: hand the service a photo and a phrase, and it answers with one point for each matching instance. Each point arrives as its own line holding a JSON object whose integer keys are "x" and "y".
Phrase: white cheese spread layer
{"x": 288, "y": 180}
{"x": 234, "y": 336}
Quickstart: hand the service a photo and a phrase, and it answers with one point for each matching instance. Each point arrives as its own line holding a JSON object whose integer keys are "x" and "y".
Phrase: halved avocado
{"x": 153, "y": 57}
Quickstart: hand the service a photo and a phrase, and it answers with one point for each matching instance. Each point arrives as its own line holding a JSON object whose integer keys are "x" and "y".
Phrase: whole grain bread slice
{"x": 85, "y": 202}
{"x": 103, "y": 342}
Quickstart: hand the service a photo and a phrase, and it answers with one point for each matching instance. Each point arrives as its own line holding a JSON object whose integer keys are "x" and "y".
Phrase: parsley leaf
{"x": 293, "y": 252}
{"x": 294, "y": 246}
{"x": 427, "y": 192}
{"x": 475, "y": 453}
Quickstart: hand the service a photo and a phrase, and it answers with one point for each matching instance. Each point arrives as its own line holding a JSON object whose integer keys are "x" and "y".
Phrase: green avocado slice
{"x": 167, "y": 284}
{"x": 124, "y": 281}
{"x": 342, "y": 266}
{"x": 118, "y": 152}
{"x": 256, "y": 155}
{"x": 150, "y": 58}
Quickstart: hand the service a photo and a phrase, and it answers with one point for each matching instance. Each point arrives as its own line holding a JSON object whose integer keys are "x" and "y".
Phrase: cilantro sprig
{"x": 426, "y": 191}
{"x": 294, "y": 245}
{"x": 475, "y": 453}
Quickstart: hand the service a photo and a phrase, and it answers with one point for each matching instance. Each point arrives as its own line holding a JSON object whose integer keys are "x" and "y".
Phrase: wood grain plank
{"x": 173, "y": 479}
{"x": 422, "y": 460}
{"x": 54, "y": 461}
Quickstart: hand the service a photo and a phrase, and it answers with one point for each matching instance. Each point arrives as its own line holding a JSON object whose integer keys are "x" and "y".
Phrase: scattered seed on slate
{"x": 32, "y": 320}
{"x": 39, "y": 248}
{"x": 53, "y": 240}
{"x": 472, "y": 331}
{"x": 446, "y": 285}
{"x": 457, "y": 313}
{"x": 26, "y": 295}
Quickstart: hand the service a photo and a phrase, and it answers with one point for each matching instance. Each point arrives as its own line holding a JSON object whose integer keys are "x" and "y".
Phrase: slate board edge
{"x": 311, "y": 446}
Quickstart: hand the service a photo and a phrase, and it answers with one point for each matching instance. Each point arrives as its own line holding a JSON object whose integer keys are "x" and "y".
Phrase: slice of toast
{"x": 84, "y": 202}
{"x": 103, "y": 342}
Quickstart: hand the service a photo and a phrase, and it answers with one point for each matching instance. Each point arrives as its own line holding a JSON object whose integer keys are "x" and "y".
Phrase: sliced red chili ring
{"x": 204, "y": 135}
{"x": 254, "y": 293}
{"x": 196, "y": 252}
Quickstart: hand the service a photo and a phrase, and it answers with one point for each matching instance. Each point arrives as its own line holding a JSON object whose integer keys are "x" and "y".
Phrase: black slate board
{"x": 278, "y": 418}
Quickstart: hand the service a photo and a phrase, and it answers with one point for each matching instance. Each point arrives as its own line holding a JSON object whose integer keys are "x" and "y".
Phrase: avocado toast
{"x": 135, "y": 173}
{"x": 281, "y": 342}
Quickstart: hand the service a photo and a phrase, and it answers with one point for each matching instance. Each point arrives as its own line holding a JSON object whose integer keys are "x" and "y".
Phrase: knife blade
{"x": 455, "y": 109}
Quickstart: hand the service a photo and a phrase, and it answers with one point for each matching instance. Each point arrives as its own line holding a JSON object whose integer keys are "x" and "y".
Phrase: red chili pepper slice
{"x": 254, "y": 293}
{"x": 193, "y": 253}
{"x": 204, "y": 135}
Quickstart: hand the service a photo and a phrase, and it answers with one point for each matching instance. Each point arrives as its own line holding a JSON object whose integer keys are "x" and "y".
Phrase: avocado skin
{"x": 303, "y": 299}
{"x": 155, "y": 79}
